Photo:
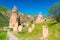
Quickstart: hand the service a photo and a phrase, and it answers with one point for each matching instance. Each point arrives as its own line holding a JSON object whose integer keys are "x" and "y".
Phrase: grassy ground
{"x": 3, "y": 35}
{"x": 3, "y": 20}
{"x": 34, "y": 35}
{"x": 54, "y": 31}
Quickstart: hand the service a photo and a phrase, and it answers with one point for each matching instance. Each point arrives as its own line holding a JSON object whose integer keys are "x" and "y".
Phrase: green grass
{"x": 54, "y": 31}
{"x": 34, "y": 35}
{"x": 3, "y": 20}
{"x": 3, "y": 35}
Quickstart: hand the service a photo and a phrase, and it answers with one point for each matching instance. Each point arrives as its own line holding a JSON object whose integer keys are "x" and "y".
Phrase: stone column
{"x": 33, "y": 26}
{"x": 20, "y": 28}
{"x": 45, "y": 31}
{"x": 29, "y": 29}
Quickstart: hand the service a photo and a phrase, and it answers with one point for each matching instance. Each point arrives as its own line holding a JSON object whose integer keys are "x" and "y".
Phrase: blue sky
{"x": 29, "y": 6}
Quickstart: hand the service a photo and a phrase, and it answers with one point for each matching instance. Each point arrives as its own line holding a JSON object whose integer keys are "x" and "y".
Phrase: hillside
{"x": 5, "y": 15}
{"x": 53, "y": 28}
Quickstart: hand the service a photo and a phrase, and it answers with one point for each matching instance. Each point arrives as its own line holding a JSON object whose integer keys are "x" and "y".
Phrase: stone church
{"x": 40, "y": 18}
{"x": 14, "y": 19}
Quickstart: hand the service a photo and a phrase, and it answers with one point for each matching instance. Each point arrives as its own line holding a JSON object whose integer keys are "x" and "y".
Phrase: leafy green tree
{"x": 54, "y": 11}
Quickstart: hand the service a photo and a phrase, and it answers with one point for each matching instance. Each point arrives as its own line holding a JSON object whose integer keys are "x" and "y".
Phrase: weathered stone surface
{"x": 20, "y": 28}
{"x": 33, "y": 26}
{"x": 45, "y": 31}
{"x": 14, "y": 19}
{"x": 40, "y": 18}
{"x": 15, "y": 29}
{"x": 26, "y": 24}
{"x": 30, "y": 29}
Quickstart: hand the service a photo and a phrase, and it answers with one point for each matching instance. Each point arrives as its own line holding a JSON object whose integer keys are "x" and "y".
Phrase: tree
{"x": 54, "y": 11}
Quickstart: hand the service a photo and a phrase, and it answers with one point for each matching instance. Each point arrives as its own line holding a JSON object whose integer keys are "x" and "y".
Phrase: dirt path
{"x": 11, "y": 36}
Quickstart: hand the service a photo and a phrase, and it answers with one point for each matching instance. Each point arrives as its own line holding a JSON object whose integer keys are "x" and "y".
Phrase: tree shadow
{"x": 53, "y": 23}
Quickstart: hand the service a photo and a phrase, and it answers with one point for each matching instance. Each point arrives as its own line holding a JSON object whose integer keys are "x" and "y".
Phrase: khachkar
{"x": 14, "y": 19}
{"x": 40, "y": 18}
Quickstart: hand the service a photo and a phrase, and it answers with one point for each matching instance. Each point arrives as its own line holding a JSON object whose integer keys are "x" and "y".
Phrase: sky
{"x": 29, "y": 6}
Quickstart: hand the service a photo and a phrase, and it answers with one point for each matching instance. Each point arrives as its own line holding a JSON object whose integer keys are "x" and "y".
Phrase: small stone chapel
{"x": 14, "y": 19}
{"x": 40, "y": 18}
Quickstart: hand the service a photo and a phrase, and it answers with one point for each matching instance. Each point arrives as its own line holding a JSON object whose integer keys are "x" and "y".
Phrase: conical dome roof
{"x": 14, "y": 8}
{"x": 40, "y": 13}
